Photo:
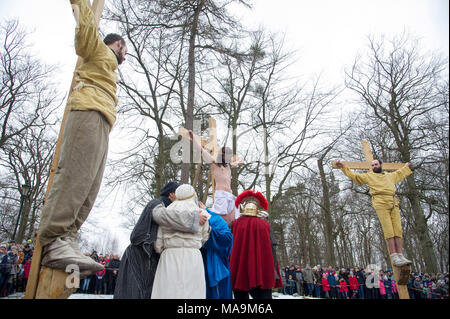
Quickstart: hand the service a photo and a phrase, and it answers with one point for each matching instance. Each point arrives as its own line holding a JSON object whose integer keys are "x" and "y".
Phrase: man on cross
{"x": 221, "y": 171}
{"x": 84, "y": 149}
{"x": 382, "y": 189}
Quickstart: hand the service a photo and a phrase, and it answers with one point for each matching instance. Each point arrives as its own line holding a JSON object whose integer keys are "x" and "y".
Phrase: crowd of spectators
{"x": 359, "y": 283}
{"x": 331, "y": 283}
{"x": 103, "y": 282}
{"x": 15, "y": 263}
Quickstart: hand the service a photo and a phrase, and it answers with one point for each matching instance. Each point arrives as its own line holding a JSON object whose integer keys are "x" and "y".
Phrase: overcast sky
{"x": 327, "y": 34}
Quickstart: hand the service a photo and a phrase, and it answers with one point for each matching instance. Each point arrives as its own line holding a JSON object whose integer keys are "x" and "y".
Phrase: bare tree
{"x": 28, "y": 99}
{"x": 25, "y": 94}
{"x": 286, "y": 118}
{"x": 204, "y": 25}
{"x": 27, "y": 159}
{"x": 230, "y": 89}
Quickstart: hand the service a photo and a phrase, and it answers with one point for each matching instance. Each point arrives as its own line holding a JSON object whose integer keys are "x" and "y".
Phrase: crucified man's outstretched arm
{"x": 206, "y": 154}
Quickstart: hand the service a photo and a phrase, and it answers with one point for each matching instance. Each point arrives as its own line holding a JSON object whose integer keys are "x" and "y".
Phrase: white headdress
{"x": 186, "y": 198}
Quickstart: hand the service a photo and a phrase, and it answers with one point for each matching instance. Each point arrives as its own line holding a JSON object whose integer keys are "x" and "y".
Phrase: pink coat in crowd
{"x": 394, "y": 287}
{"x": 382, "y": 289}
{"x": 26, "y": 268}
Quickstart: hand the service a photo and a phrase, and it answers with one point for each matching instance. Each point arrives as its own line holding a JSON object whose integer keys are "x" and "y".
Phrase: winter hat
{"x": 186, "y": 199}
{"x": 170, "y": 187}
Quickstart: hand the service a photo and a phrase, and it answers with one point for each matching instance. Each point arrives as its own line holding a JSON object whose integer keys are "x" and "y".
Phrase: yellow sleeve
{"x": 357, "y": 178}
{"x": 87, "y": 39}
{"x": 401, "y": 173}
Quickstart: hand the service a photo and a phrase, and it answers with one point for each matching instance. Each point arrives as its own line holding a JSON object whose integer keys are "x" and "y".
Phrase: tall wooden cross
{"x": 211, "y": 145}
{"x": 401, "y": 274}
{"x": 44, "y": 282}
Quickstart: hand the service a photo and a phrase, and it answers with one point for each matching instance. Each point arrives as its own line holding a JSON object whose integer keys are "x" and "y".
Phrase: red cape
{"x": 251, "y": 259}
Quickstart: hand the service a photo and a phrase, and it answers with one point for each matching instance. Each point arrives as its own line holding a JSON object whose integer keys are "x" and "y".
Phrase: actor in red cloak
{"x": 252, "y": 264}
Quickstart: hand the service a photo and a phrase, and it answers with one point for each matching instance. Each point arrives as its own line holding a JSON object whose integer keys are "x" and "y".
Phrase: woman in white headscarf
{"x": 180, "y": 273}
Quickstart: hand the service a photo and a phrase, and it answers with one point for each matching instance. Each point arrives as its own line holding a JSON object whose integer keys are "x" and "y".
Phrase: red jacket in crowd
{"x": 353, "y": 282}
{"x": 325, "y": 284}
{"x": 343, "y": 286}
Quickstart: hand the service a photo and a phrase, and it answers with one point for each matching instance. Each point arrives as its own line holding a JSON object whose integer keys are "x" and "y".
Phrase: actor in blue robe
{"x": 215, "y": 254}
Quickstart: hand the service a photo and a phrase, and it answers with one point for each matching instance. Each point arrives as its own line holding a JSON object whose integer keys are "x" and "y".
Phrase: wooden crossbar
{"x": 366, "y": 165}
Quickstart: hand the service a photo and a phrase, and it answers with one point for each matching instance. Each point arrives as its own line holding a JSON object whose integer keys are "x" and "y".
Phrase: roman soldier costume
{"x": 254, "y": 270}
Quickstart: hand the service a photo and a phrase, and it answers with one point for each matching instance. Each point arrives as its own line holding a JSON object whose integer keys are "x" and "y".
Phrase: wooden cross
{"x": 44, "y": 282}
{"x": 369, "y": 158}
{"x": 211, "y": 145}
{"x": 401, "y": 274}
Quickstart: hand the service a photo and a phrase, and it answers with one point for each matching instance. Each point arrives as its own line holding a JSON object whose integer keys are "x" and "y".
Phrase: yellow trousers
{"x": 388, "y": 213}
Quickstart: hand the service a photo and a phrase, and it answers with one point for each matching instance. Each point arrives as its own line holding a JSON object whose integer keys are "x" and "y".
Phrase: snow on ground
{"x": 19, "y": 295}
{"x": 276, "y": 295}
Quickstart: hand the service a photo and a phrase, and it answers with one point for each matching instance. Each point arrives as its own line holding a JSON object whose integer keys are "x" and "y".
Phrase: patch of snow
{"x": 19, "y": 295}
{"x": 90, "y": 296}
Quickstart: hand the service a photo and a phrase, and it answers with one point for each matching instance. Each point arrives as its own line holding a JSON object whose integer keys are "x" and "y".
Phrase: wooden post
{"x": 52, "y": 279}
{"x": 401, "y": 274}
{"x": 215, "y": 150}
{"x": 210, "y": 144}
{"x": 52, "y": 284}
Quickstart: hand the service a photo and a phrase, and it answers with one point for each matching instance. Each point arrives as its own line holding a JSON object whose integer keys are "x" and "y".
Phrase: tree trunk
{"x": 23, "y": 220}
{"x": 159, "y": 167}
{"x": 326, "y": 213}
{"x": 421, "y": 228}
{"x": 234, "y": 171}
{"x": 185, "y": 167}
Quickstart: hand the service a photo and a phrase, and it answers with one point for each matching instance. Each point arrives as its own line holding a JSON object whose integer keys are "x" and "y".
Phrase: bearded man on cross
{"x": 382, "y": 189}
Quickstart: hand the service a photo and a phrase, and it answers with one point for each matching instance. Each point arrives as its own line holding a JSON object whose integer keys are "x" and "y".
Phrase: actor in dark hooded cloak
{"x": 139, "y": 261}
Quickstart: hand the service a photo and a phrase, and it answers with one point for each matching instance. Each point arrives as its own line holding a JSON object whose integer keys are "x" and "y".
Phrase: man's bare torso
{"x": 222, "y": 177}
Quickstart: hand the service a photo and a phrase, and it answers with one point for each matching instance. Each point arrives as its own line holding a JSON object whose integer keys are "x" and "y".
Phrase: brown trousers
{"x": 78, "y": 178}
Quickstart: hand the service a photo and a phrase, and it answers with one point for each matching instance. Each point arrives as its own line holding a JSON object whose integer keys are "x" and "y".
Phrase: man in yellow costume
{"x": 84, "y": 147}
{"x": 382, "y": 189}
